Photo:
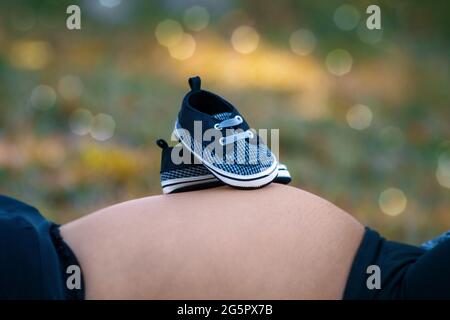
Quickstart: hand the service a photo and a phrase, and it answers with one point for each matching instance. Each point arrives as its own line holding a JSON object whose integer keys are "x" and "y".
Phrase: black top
{"x": 33, "y": 256}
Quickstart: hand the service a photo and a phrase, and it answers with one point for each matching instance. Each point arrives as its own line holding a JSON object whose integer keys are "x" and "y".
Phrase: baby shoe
{"x": 214, "y": 131}
{"x": 189, "y": 177}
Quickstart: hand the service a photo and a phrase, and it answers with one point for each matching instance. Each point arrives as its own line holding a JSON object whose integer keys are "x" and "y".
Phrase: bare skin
{"x": 277, "y": 242}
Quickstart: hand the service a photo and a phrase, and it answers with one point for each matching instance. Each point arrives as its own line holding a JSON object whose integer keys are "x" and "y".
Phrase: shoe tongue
{"x": 222, "y": 116}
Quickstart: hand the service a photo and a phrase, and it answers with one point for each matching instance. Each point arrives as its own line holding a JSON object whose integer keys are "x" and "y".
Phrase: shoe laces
{"x": 232, "y": 122}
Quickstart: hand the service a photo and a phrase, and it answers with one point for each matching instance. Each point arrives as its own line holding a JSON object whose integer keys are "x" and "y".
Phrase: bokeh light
{"x": 70, "y": 87}
{"x": 443, "y": 169}
{"x": 368, "y": 36}
{"x": 30, "y": 54}
{"x": 103, "y": 127}
{"x": 392, "y": 201}
{"x": 80, "y": 121}
{"x": 359, "y": 117}
{"x": 184, "y": 49}
{"x": 196, "y": 18}
{"x": 245, "y": 39}
{"x": 339, "y": 62}
{"x": 110, "y": 3}
{"x": 43, "y": 97}
{"x": 302, "y": 42}
{"x": 346, "y": 17}
{"x": 169, "y": 33}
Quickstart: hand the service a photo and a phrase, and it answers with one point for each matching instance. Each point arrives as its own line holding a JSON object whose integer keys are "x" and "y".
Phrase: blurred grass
{"x": 125, "y": 73}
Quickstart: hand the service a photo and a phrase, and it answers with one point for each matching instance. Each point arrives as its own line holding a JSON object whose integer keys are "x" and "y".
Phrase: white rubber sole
{"x": 252, "y": 181}
{"x": 171, "y": 188}
{"x": 283, "y": 172}
{"x": 171, "y": 185}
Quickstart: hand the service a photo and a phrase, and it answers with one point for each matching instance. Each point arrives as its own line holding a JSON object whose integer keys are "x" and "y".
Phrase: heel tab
{"x": 195, "y": 83}
{"x": 162, "y": 144}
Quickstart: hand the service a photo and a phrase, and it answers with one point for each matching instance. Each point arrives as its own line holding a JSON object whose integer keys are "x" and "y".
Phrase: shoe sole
{"x": 210, "y": 180}
{"x": 256, "y": 181}
{"x": 172, "y": 186}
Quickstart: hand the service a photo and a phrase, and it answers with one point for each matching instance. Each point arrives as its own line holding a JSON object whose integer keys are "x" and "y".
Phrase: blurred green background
{"x": 364, "y": 115}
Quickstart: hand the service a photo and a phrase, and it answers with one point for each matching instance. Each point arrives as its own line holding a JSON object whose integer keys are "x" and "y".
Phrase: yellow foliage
{"x": 112, "y": 162}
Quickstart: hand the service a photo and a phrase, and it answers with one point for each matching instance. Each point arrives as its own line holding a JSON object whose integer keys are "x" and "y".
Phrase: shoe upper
{"x": 215, "y": 131}
{"x": 170, "y": 170}
{"x": 182, "y": 176}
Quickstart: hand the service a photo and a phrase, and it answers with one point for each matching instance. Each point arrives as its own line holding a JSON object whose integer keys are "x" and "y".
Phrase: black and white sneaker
{"x": 214, "y": 131}
{"x": 189, "y": 177}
